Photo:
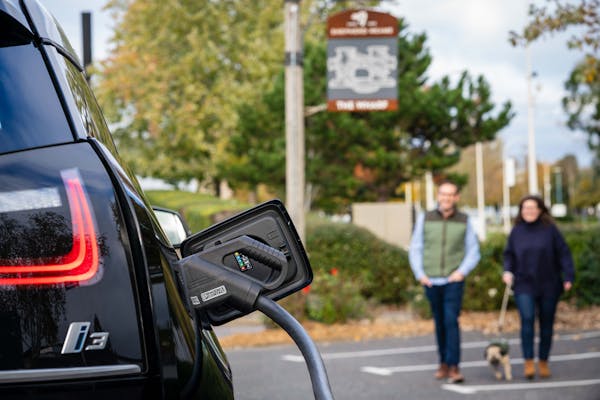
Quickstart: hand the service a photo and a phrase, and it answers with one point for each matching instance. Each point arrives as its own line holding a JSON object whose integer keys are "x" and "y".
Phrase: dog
{"x": 496, "y": 354}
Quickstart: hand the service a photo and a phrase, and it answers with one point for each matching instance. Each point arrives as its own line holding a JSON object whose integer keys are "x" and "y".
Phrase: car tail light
{"x": 80, "y": 264}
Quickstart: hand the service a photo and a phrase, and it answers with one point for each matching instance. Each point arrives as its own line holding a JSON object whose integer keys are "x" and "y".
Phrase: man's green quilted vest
{"x": 443, "y": 243}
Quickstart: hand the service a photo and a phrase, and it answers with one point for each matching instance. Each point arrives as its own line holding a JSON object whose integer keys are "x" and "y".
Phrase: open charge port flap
{"x": 257, "y": 248}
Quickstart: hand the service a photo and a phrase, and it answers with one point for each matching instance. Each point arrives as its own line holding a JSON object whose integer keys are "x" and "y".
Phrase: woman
{"x": 538, "y": 263}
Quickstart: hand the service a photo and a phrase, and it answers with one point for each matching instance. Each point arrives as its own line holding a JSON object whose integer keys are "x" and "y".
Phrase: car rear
{"x": 88, "y": 304}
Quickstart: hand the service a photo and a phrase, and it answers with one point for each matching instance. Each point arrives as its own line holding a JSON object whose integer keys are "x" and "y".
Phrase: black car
{"x": 95, "y": 300}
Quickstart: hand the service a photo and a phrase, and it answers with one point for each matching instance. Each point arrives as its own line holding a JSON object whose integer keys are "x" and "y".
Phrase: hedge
{"x": 379, "y": 272}
{"x": 381, "y": 268}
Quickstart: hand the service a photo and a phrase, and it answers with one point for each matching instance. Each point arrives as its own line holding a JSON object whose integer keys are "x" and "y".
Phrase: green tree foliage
{"x": 582, "y": 102}
{"x": 176, "y": 74}
{"x": 587, "y": 190}
{"x": 365, "y": 156}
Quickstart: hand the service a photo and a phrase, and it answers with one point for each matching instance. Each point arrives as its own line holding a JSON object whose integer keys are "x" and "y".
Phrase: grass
{"x": 199, "y": 209}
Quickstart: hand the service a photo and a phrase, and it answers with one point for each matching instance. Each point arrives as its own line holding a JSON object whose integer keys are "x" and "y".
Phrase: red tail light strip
{"x": 69, "y": 261}
{"x": 80, "y": 264}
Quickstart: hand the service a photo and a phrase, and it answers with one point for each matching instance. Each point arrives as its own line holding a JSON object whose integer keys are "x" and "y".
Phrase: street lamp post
{"x": 532, "y": 162}
{"x": 508, "y": 181}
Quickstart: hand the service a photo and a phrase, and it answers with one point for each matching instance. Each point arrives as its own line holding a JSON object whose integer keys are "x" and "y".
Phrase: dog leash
{"x": 503, "y": 308}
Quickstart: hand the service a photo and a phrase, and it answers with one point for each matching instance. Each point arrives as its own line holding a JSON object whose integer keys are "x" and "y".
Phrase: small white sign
{"x": 509, "y": 172}
{"x": 195, "y": 300}
{"x": 213, "y": 293}
{"x": 559, "y": 210}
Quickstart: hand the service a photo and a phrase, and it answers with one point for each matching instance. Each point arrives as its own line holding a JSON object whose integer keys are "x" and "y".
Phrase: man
{"x": 443, "y": 250}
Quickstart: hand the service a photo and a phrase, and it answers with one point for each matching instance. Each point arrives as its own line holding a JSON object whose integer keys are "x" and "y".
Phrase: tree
{"x": 176, "y": 74}
{"x": 582, "y": 102}
{"x": 366, "y": 156}
{"x": 587, "y": 191}
{"x": 492, "y": 174}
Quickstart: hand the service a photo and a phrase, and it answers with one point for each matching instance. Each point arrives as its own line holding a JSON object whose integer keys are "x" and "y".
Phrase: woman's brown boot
{"x": 529, "y": 369}
{"x": 544, "y": 369}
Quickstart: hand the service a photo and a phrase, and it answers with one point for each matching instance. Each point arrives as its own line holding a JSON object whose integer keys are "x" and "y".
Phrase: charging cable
{"x": 208, "y": 285}
{"x": 314, "y": 362}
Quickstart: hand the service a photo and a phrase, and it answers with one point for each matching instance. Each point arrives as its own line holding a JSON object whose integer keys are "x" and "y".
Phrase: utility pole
{"x": 480, "y": 191}
{"x": 294, "y": 117}
{"x": 532, "y": 162}
{"x": 429, "y": 196}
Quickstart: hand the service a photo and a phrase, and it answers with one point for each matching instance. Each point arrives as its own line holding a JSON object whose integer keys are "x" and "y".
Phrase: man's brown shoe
{"x": 442, "y": 371}
{"x": 529, "y": 369}
{"x": 454, "y": 375}
{"x": 544, "y": 369}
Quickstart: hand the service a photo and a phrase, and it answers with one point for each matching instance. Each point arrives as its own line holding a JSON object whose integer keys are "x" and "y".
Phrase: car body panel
{"x": 154, "y": 343}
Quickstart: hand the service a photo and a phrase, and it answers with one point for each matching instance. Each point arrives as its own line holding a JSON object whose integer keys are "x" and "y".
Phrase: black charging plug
{"x": 209, "y": 285}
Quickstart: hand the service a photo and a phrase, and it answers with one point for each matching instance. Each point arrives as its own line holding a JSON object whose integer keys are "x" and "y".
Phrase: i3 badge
{"x": 77, "y": 336}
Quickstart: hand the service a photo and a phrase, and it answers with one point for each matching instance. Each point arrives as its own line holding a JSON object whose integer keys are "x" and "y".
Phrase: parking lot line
{"x": 427, "y": 348}
{"x": 387, "y": 371}
{"x": 472, "y": 389}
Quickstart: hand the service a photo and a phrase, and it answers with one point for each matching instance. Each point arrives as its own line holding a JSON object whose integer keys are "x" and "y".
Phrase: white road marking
{"x": 472, "y": 389}
{"x": 387, "y": 371}
{"x": 427, "y": 348}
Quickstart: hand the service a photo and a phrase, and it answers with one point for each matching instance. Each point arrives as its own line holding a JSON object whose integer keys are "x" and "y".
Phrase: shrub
{"x": 484, "y": 287}
{"x": 418, "y": 301}
{"x": 330, "y": 298}
{"x": 585, "y": 245}
{"x": 295, "y": 304}
{"x": 381, "y": 269}
{"x": 335, "y": 298}
{"x": 486, "y": 278}
{"x": 381, "y": 272}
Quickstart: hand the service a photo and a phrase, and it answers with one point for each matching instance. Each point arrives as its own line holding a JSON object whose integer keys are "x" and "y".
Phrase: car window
{"x": 26, "y": 90}
{"x": 79, "y": 95}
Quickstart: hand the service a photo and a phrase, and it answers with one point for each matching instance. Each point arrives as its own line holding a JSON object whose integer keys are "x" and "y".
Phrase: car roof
{"x": 40, "y": 23}
{"x": 9, "y": 8}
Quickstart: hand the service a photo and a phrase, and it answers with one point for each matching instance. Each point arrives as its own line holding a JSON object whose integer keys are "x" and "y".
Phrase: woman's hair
{"x": 544, "y": 217}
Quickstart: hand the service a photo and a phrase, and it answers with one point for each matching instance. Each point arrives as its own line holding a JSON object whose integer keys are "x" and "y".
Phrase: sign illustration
{"x": 362, "y": 61}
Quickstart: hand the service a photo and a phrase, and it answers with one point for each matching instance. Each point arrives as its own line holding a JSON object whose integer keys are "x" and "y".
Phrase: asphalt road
{"x": 403, "y": 369}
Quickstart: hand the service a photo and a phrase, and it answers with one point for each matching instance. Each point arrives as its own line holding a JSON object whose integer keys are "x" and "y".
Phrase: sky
{"x": 462, "y": 35}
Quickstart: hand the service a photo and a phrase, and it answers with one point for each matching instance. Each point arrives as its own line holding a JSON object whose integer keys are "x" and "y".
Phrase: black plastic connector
{"x": 208, "y": 285}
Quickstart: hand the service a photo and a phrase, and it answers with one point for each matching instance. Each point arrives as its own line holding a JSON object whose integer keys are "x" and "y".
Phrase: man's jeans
{"x": 526, "y": 304}
{"x": 446, "y": 302}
